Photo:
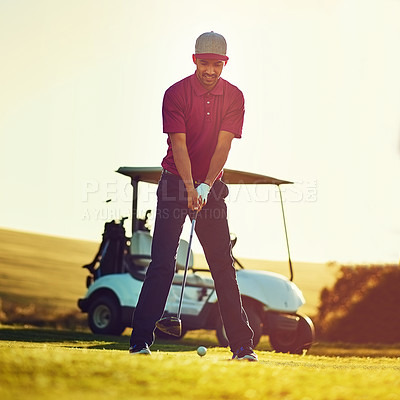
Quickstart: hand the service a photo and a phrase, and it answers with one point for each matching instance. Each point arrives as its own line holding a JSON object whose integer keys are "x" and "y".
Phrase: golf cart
{"x": 118, "y": 270}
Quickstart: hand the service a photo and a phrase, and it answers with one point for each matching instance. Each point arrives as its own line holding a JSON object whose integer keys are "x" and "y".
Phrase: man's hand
{"x": 193, "y": 198}
{"x": 203, "y": 190}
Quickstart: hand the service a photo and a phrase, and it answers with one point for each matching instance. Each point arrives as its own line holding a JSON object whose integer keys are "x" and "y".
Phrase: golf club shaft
{"x": 187, "y": 263}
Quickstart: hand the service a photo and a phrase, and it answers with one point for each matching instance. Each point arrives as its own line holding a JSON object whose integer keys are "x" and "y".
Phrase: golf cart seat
{"x": 194, "y": 280}
{"x": 141, "y": 250}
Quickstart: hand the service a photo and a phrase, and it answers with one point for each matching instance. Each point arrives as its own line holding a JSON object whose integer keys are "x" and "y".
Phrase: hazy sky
{"x": 81, "y": 87}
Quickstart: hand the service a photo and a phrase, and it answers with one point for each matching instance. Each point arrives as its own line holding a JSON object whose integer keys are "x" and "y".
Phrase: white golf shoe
{"x": 140, "y": 349}
{"x": 245, "y": 353}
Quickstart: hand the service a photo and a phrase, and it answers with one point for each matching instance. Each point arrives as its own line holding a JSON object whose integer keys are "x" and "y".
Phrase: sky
{"x": 81, "y": 89}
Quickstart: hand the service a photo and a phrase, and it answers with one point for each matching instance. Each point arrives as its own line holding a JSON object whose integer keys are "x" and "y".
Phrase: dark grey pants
{"x": 213, "y": 233}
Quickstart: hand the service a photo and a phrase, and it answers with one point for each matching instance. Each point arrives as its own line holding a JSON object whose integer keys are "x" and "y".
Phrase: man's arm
{"x": 182, "y": 162}
{"x": 219, "y": 157}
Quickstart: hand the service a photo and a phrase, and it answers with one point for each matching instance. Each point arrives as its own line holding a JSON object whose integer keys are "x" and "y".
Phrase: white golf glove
{"x": 203, "y": 190}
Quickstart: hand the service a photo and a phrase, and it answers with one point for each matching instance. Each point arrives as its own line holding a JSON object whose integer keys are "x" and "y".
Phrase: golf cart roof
{"x": 230, "y": 176}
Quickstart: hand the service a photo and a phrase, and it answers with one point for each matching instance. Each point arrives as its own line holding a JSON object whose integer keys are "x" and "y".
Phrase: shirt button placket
{"x": 208, "y": 107}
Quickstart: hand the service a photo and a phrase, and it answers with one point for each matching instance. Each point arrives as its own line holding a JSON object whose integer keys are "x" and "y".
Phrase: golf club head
{"x": 170, "y": 325}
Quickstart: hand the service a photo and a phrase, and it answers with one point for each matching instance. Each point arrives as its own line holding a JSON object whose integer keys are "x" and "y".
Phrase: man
{"x": 202, "y": 114}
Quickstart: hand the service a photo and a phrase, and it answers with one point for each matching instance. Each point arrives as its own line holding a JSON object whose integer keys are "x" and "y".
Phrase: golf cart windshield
{"x": 152, "y": 175}
{"x": 230, "y": 177}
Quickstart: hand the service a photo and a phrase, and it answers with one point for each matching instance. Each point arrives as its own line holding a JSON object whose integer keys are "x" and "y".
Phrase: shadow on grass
{"x": 43, "y": 335}
{"x": 76, "y": 339}
{"x": 193, "y": 339}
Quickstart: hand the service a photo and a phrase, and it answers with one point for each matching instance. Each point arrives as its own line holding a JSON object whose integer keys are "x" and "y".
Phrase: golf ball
{"x": 201, "y": 351}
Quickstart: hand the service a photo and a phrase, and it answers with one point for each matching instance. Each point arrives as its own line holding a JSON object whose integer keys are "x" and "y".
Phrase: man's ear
{"x": 194, "y": 58}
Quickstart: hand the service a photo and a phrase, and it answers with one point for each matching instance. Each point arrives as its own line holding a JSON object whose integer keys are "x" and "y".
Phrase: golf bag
{"x": 110, "y": 256}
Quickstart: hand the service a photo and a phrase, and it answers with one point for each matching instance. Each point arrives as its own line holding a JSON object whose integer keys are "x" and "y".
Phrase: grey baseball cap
{"x": 211, "y": 46}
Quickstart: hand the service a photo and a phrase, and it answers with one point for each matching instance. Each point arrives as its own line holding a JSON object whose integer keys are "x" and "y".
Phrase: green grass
{"x": 40, "y": 281}
{"x": 50, "y": 364}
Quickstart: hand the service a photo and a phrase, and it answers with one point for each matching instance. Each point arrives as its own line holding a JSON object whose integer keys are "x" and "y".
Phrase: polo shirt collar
{"x": 200, "y": 90}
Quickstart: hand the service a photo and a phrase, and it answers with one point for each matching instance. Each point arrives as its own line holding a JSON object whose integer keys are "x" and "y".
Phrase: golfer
{"x": 202, "y": 114}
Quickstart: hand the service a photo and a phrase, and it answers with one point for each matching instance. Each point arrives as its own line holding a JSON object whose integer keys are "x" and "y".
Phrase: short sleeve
{"x": 172, "y": 113}
{"x": 234, "y": 116}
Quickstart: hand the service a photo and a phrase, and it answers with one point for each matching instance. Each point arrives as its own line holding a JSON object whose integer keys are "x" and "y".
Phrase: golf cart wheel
{"x": 294, "y": 341}
{"x": 104, "y": 316}
{"x": 255, "y": 324}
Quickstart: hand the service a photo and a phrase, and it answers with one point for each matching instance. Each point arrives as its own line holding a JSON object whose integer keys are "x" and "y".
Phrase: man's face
{"x": 208, "y": 71}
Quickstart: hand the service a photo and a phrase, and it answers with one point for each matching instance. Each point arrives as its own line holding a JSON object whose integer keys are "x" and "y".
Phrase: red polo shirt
{"x": 189, "y": 108}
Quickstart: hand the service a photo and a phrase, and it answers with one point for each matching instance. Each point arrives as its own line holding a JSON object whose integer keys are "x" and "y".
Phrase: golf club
{"x": 173, "y": 325}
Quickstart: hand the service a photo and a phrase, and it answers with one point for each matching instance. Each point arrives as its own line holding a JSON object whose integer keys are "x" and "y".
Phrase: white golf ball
{"x": 201, "y": 351}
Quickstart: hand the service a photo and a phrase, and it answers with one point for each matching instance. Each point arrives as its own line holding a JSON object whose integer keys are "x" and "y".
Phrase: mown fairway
{"x": 50, "y": 364}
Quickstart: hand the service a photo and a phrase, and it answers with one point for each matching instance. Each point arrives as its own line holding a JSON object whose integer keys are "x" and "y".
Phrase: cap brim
{"x": 211, "y": 56}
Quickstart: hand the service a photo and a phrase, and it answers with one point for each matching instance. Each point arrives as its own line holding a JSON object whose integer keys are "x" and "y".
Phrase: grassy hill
{"x": 43, "y": 269}
{"x": 41, "y": 273}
